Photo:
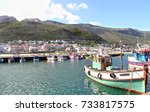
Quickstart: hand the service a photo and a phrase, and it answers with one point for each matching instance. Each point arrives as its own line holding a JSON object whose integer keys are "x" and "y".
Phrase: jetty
{"x": 27, "y": 56}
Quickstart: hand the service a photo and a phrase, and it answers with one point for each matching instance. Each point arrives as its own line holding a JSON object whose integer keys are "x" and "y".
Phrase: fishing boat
{"x": 102, "y": 71}
{"x": 35, "y": 58}
{"x": 87, "y": 57}
{"x": 139, "y": 58}
{"x": 52, "y": 58}
{"x": 22, "y": 60}
{"x": 11, "y": 59}
{"x": 74, "y": 57}
{"x": 61, "y": 58}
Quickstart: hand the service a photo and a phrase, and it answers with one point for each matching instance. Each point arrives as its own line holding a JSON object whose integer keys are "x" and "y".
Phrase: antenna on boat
{"x": 121, "y": 55}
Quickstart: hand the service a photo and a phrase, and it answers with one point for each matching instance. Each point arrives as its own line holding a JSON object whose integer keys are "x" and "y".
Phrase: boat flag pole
{"x": 121, "y": 55}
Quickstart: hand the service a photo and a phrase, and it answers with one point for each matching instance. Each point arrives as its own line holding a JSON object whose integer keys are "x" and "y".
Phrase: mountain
{"x": 114, "y": 35}
{"x": 35, "y": 29}
{"x": 7, "y": 19}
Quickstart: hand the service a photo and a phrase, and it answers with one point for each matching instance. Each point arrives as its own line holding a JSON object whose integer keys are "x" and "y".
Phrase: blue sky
{"x": 108, "y": 13}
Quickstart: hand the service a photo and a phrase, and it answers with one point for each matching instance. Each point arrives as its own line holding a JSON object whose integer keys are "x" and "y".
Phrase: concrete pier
{"x": 27, "y": 57}
{"x": 16, "y": 59}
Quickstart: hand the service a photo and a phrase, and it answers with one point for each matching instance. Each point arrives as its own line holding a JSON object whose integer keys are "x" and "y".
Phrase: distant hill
{"x": 7, "y": 19}
{"x": 35, "y": 29}
{"x": 114, "y": 35}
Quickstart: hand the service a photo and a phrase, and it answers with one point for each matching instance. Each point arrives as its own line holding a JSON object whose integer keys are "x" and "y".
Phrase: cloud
{"x": 95, "y": 23}
{"x": 83, "y": 5}
{"x": 77, "y": 7}
{"x": 22, "y": 9}
{"x": 57, "y": 11}
{"x": 42, "y": 9}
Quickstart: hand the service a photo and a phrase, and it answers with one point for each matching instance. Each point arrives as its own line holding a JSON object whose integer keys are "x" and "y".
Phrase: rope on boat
{"x": 139, "y": 75}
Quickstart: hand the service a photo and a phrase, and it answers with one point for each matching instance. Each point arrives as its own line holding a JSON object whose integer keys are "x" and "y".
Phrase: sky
{"x": 108, "y": 13}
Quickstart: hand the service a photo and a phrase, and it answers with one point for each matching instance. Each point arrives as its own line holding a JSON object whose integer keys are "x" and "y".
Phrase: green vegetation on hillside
{"x": 29, "y": 30}
{"x": 82, "y": 33}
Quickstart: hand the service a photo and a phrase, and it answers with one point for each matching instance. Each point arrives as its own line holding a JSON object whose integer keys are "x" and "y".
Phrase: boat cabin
{"x": 101, "y": 62}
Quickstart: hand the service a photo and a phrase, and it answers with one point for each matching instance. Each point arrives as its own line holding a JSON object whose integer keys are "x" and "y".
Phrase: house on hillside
{"x": 33, "y": 49}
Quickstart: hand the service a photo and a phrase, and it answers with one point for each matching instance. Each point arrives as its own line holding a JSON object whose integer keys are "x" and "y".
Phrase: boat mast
{"x": 121, "y": 55}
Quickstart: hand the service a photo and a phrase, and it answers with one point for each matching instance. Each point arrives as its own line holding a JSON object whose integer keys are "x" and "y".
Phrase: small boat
{"x": 52, "y": 58}
{"x": 76, "y": 57}
{"x": 11, "y": 59}
{"x": 61, "y": 58}
{"x": 87, "y": 57}
{"x": 73, "y": 57}
{"x": 1, "y": 60}
{"x": 102, "y": 71}
{"x": 22, "y": 60}
{"x": 36, "y": 59}
{"x": 81, "y": 57}
{"x": 139, "y": 58}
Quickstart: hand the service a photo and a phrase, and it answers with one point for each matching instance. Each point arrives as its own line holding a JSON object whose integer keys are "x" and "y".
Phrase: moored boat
{"x": 139, "y": 58}
{"x": 87, "y": 57}
{"x": 11, "y": 59}
{"x": 61, "y": 58}
{"x": 22, "y": 60}
{"x": 35, "y": 58}
{"x": 52, "y": 58}
{"x": 102, "y": 71}
{"x": 76, "y": 57}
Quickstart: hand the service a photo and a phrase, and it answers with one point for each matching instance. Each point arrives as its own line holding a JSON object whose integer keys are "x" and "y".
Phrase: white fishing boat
{"x": 103, "y": 72}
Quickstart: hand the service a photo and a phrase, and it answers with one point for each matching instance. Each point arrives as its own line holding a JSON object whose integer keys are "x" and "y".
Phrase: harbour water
{"x": 58, "y": 78}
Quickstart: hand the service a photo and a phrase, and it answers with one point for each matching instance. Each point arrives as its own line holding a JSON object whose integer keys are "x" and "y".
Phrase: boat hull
{"x": 137, "y": 85}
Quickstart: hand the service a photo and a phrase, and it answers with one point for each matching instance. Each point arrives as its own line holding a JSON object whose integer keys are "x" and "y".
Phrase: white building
{"x": 33, "y": 49}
